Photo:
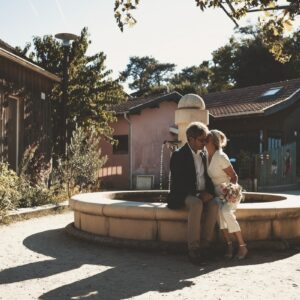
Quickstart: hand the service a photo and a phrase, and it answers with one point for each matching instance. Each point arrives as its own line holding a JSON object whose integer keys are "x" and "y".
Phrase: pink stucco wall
{"x": 115, "y": 173}
{"x": 150, "y": 129}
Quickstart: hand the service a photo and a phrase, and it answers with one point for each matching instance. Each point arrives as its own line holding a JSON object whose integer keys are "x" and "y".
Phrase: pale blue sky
{"x": 180, "y": 34}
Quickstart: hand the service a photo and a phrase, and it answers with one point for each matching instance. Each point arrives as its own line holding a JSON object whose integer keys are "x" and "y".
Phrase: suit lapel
{"x": 190, "y": 160}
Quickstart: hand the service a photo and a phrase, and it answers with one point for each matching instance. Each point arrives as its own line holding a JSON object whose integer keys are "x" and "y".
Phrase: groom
{"x": 192, "y": 188}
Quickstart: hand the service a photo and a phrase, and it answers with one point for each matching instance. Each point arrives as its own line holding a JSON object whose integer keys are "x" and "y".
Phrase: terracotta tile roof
{"x": 231, "y": 103}
{"x": 135, "y": 105}
{"x": 249, "y": 100}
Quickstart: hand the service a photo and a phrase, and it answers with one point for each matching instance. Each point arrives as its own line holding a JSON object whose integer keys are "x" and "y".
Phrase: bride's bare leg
{"x": 227, "y": 238}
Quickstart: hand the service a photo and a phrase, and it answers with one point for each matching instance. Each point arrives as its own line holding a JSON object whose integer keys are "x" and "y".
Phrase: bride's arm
{"x": 231, "y": 173}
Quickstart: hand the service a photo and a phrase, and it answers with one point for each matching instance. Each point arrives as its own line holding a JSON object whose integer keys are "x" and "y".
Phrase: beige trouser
{"x": 200, "y": 215}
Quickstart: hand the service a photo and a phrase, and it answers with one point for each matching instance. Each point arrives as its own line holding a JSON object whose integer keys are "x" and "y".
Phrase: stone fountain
{"x": 141, "y": 219}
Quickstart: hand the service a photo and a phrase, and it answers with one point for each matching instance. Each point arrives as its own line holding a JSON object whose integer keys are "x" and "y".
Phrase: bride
{"x": 221, "y": 172}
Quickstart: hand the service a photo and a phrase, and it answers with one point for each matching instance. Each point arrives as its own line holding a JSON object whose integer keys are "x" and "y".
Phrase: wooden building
{"x": 24, "y": 105}
{"x": 258, "y": 118}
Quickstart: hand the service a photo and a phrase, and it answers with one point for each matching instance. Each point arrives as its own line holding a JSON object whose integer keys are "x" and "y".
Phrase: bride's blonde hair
{"x": 218, "y": 138}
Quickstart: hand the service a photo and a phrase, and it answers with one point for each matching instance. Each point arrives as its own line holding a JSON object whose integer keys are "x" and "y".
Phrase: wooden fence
{"x": 276, "y": 166}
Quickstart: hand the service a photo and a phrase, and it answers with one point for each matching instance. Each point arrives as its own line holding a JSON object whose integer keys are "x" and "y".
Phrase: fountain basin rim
{"x": 107, "y": 204}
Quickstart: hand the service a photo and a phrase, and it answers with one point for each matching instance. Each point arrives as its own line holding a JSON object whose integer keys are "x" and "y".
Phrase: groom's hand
{"x": 206, "y": 197}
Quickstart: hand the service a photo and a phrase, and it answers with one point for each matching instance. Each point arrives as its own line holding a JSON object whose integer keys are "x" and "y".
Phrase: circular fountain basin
{"x": 140, "y": 218}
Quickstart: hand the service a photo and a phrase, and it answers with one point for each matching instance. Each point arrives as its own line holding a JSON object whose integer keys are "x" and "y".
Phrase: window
{"x": 274, "y": 139}
{"x": 274, "y": 143}
{"x": 272, "y": 91}
{"x": 122, "y": 145}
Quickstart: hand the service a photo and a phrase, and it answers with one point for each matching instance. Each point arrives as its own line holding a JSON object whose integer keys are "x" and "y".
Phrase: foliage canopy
{"x": 146, "y": 73}
{"x": 243, "y": 61}
{"x": 277, "y": 18}
{"x": 90, "y": 89}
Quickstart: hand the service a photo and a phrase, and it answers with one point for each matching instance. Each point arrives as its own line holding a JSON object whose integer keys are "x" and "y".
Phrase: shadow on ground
{"x": 130, "y": 273}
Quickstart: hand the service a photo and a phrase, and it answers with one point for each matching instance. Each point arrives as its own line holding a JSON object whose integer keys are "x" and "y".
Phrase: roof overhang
{"x": 239, "y": 114}
{"x": 28, "y": 65}
{"x": 283, "y": 104}
{"x": 152, "y": 103}
{"x": 274, "y": 108}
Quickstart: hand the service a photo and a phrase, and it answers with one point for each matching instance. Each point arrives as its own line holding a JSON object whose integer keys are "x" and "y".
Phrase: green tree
{"x": 90, "y": 89}
{"x": 194, "y": 79}
{"x": 292, "y": 46}
{"x": 146, "y": 74}
{"x": 245, "y": 61}
{"x": 277, "y": 18}
{"x": 222, "y": 67}
{"x": 255, "y": 65}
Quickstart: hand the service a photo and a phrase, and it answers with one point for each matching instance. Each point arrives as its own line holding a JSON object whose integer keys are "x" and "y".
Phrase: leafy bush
{"x": 9, "y": 192}
{"x": 34, "y": 167}
{"x": 34, "y": 195}
{"x": 76, "y": 173}
{"x": 80, "y": 169}
{"x": 33, "y": 179}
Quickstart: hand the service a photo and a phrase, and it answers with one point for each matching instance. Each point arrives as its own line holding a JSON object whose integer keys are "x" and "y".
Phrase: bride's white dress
{"x": 218, "y": 163}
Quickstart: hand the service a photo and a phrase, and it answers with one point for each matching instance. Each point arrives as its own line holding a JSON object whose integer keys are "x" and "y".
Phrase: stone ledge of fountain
{"x": 106, "y": 215}
{"x": 178, "y": 247}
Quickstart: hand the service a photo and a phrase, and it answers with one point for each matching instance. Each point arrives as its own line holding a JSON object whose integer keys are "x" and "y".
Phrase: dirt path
{"x": 38, "y": 260}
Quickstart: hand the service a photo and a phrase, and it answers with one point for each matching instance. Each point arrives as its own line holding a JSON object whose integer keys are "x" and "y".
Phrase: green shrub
{"x": 79, "y": 172}
{"x": 34, "y": 167}
{"x": 80, "y": 169}
{"x": 33, "y": 178}
{"x": 34, "y": 195}
{"x": 9, "y": 192}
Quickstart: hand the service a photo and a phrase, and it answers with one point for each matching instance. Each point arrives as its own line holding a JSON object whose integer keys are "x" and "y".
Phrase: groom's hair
{"x": 196, "y": 129}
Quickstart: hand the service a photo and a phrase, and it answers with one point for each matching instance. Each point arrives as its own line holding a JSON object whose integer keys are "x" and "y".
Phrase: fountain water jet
{"x": 172, "y": 146}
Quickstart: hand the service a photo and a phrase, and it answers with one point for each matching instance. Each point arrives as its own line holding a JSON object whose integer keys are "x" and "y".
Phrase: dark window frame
{"x": 122, "y": 146}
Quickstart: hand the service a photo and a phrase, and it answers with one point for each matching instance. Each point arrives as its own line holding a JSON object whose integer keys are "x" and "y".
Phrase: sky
{"x": 171, "y": 31}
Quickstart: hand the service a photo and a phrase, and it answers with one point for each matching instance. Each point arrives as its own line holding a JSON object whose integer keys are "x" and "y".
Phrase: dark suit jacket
{"x": 183, "y": 177}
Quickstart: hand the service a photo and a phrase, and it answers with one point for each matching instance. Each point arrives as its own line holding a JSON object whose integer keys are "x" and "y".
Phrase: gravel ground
{"x": 38, "y": 260}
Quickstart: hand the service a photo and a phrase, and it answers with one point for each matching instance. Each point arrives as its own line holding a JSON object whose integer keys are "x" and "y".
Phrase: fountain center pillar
{"x": 191, "y": 108}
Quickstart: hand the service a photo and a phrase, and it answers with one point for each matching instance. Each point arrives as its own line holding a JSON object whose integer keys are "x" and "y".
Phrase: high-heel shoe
{"x": 244, "y": 252}
{"x": 229, "y": 253}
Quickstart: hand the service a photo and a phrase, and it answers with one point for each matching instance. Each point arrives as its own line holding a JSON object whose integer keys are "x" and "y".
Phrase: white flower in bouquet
{"x": 230, "y": 193}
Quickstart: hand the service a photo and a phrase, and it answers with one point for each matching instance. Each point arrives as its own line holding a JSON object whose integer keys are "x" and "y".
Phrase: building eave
{"x": 28, "y": 65}
{"x": 283, "y": 104}
{"x": 238, "y": 114}
{"x": 151, "y": 103}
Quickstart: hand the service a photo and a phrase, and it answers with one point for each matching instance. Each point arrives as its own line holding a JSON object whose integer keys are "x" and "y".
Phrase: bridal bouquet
{"x": 231, "y": 193}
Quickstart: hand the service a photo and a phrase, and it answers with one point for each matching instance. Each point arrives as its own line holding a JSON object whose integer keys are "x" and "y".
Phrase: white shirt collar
{"x": 198, "y": 151}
